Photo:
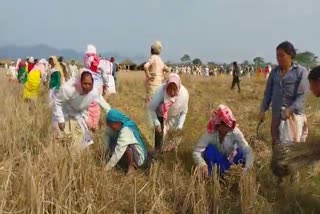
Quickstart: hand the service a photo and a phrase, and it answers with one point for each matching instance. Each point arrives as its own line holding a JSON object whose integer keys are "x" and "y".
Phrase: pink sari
{"x": 94, "y": 112}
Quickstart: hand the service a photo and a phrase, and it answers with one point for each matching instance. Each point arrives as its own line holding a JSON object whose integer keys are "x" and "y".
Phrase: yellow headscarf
{"x": 58, "y": 67}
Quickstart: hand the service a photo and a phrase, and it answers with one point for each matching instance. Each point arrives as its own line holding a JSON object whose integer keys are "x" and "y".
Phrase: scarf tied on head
{"x": 221, "y": 114}
{"x": 114, "y": 116}
{"x": 169, "y": 101}
{"x": 91, "y": 59}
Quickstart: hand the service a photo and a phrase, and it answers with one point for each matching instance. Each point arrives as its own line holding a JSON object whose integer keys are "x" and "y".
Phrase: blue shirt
{"x": 288, "y": 91}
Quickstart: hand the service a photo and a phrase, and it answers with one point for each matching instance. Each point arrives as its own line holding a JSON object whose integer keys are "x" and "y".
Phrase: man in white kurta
{"x": 73, "y": 69}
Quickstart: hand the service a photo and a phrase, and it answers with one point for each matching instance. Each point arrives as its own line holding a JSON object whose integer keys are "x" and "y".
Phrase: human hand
{"x": 203, "y": 171}
{"x": 61, "y": 126}
{"x": 159, "y": 129}
{"x": 262, "y": 116}
{"x": 288, "y": 112}
{"x": 245, "y": 170}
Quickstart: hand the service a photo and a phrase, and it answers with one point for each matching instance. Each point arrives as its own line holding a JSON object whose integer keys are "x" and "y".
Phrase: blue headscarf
{"x": 114, "y": 116}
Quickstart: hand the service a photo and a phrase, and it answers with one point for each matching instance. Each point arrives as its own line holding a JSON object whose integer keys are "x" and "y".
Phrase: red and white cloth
{"x": 221, "y": 114}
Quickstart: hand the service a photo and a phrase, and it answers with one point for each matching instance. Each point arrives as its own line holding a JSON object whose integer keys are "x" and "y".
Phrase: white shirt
{"x": 207, "y": 71}
{"x": 177, "y": 118}
{"x": 73, "y": 69}
{"x": 69, "y": 103}
{"x": 126, "y": 138}
{"x": 232, "y": 138}
{"x": 13, "y": 71}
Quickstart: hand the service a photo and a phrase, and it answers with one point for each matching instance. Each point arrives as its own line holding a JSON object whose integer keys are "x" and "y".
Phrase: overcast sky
{"x": 217, "y": 30}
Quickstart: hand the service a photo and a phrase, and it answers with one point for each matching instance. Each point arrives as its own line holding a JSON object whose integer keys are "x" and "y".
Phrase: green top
{"x": 22, "y": 75}
{"x": 55, "y": 80}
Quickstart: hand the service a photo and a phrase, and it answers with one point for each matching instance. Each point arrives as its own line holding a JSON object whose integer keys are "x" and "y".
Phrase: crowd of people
{"x": 216, "y": 70}
{"x": 77, "y": 97}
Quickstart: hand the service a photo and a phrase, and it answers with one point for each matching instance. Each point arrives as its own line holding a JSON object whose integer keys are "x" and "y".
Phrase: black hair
{"x": 60, "y": 59}
{"x": 85, "y": 74}
{"x": 51, "y": 59}
{"x": 314, "y": 74}
{"x": 153, "y": 52}
{"x": 235, "y": 63}
{"x": 288, "y": 48}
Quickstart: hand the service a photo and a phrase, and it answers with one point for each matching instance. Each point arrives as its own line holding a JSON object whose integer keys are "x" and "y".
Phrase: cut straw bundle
{"x": 288, "y": 158}
{"x": 172, "y": 140}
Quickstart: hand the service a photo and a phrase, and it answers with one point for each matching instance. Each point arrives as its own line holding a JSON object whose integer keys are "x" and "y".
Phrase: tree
{"x": 259, "y": 61}
{"x": 245, "y": 62}
{"x": 127, "y": 62}
{"x": 196, "y": 61}
{"x": 169, "y": 63}
{"x": 307, "y": 59}
{"x": 186, "y": 58}
{"x": 212, "y": 63}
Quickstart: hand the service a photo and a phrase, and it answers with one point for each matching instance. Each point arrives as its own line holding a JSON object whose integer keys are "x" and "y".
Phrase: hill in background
{"x": 44, "y": 51}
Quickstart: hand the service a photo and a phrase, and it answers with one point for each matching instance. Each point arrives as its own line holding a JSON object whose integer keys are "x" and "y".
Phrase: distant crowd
{"x": 206, "y": 70}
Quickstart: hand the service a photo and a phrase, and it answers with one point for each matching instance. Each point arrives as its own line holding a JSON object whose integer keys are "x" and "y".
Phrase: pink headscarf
{"x": 91, "y": 59}
{"x": 169, "y": 101}
{"x": 40, "y": 66}
{"x": 77, "y": 82}
{"x": 221, "y": 114}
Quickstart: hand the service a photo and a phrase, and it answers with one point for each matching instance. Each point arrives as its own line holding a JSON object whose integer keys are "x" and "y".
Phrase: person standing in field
{"x": 154, "y": 70}
{"x": 267, "y": 72}
{"x": 64, "y": 68}
{"x": 114, "y": 70}
{"x": 236, "y": 76}
{"x": 124, "y": 142}
{"x": 55, "y": 78}
{"x": 259, "y": 73}
{"x": 223, "y": 145}
{"x": 12, "y": 72}
{"x": 32, "y": 85}
{"x": 30, "y": 64}
{"x": 22, "y": 71}
{"x": 101, "y": 71}
{"x": 286, "y": 89}
{"x": 206, "y": 71}
{"x": 168, "y": 109}
{"x": 73, "y": 69}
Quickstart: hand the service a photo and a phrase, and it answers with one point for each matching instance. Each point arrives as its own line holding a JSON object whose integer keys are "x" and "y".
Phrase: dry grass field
{"x": 40, "y": 176}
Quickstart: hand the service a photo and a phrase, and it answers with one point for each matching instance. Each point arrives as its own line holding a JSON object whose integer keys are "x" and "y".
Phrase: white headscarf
{"x": 91, "y": 57}
{"x": 31, "y": 60}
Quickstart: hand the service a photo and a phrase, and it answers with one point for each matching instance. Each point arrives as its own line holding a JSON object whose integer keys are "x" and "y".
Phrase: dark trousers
{"x": 158, "y": 137}
{"x": 235, "y": 81}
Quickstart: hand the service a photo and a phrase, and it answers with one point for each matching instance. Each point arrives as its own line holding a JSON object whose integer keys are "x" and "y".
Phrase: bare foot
{"x": 131, "y": 170}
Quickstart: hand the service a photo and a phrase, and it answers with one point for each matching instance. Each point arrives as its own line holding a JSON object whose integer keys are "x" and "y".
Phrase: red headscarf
{"x": 21, "y": 64}
{"x": 221, "y": 114}
{"x": 30, "y": 66}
